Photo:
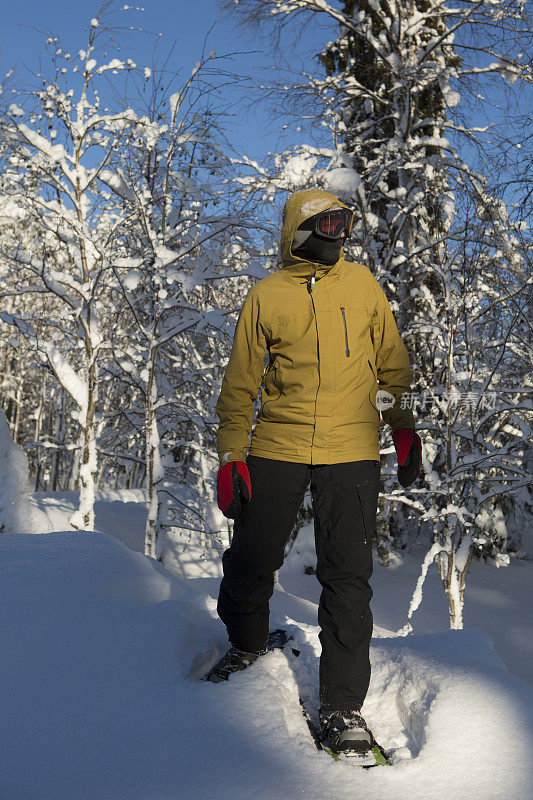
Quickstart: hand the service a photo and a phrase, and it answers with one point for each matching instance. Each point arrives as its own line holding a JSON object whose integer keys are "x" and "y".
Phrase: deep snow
{"x": 498, "y": 600}
{"x": 100, "y": 695}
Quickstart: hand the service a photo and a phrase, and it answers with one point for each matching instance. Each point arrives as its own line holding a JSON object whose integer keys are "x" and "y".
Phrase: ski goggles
{"x": 332, "y": 224}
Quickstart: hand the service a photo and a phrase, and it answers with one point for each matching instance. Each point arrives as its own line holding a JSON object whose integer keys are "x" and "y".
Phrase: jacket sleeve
{"x": 393, "y": 369}
{"x": 241, "y": 382}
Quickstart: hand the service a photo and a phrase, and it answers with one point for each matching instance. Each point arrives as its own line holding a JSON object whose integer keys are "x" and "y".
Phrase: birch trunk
{"x": 153, "y": 545}
{"x": 453, "y": 563}
{"x": 18, "y": 404}
{"x": 59, "y": 440}
{"x": 37, "y": 433}
{"x": 83, "y": 519}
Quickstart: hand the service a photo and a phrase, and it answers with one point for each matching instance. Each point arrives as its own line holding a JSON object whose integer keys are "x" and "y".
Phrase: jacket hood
{"x": 299, "y": 206}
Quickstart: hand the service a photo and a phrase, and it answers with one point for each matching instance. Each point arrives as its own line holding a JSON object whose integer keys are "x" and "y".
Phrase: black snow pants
{"x": 344, "y": 498}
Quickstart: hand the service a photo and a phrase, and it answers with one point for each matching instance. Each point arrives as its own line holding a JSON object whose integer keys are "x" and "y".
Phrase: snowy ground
{"x": 499, "y": 601}
{"x": 101, "y": 700}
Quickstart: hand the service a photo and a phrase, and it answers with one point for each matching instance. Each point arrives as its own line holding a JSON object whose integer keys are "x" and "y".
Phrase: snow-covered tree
{"x": 476, "y": 450}
{"x": 185, "y": 237}
{"x": 120, "y": 284}
{"x": 61, "y": 140}
{"x": 36, "y": 407}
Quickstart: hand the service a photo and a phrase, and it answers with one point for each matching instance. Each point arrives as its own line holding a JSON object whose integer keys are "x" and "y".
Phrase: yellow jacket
{"x": 329, "y": 343}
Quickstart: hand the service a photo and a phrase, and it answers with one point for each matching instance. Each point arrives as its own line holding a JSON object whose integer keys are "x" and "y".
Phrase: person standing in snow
{"x": 332, "y": 343}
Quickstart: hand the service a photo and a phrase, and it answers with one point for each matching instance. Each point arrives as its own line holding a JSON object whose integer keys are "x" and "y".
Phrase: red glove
{"x": 409, "y": 453}
{"x": 233, "y": 488}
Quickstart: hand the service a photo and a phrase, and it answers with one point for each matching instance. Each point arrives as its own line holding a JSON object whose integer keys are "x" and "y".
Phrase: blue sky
{"x": 187, "y": 23}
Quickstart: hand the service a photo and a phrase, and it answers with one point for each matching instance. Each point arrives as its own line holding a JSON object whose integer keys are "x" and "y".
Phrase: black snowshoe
{"x": 345, "y": 732}
{"x": 344, "y": 737}
{"x": 236, "y": 660}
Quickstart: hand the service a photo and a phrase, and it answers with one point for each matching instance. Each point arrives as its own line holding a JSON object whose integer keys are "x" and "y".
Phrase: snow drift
{"x": 16, "y": 513}
{"x": 100, "y": 698}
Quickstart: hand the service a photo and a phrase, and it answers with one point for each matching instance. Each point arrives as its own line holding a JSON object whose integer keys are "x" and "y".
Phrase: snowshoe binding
{"x": 236, "y": 660}
{"x": 345, "y": 731}
{"x": 346, "y": 736}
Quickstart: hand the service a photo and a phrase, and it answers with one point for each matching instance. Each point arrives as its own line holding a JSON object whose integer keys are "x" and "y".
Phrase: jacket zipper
{"x": 371, "y": 368}
{"x": 318, "y": 350}
{"x": 345, "y": 332}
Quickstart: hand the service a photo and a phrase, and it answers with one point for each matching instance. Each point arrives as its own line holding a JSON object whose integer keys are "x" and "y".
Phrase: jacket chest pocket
{"x": 345, "y": 326}
{"x": 356, "y": 330}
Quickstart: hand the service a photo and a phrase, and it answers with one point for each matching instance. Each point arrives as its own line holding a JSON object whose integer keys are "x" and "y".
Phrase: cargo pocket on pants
{"x": 368, "y": 492}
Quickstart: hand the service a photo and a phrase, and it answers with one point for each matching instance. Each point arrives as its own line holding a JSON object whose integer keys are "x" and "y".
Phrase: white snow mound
{"x": 101, "y": 654}
{"x": 16, "y": 513}
{"x": 342, "y": 182}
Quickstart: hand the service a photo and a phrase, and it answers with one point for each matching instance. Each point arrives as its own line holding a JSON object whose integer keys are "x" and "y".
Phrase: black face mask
{"x": 322, "y": 250}
{"x": 315, "y": 247}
